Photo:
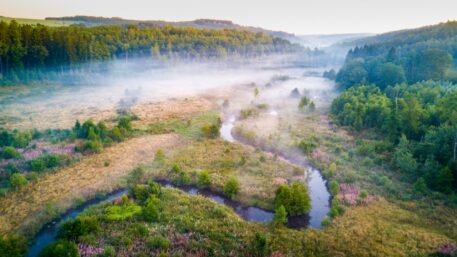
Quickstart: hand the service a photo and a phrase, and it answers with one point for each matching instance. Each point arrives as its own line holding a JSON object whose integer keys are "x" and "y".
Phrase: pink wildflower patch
{"x": 88, "y": 250}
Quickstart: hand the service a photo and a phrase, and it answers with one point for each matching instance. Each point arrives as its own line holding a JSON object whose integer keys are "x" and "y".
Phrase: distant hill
{"x": 413, "y": 55}
{"x": 50, "y": 23}
{"x": 200, "y": 23}
{"x": 322, "y": 41}
{"x": 441, "y": 32}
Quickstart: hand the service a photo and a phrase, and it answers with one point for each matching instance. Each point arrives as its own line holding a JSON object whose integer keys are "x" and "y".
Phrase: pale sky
{"x": 295, "y": 16}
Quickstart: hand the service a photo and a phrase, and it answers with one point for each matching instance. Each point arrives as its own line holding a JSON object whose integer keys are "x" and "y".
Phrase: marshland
{"x": 125, "y": 137}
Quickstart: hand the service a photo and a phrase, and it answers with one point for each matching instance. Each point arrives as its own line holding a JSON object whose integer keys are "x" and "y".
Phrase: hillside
{"x": 415, "y": 55}
{"x": 199, "y": 23}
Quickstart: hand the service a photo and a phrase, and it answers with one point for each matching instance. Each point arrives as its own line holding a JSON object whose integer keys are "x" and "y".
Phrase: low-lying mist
{"x": 81, "y": 93}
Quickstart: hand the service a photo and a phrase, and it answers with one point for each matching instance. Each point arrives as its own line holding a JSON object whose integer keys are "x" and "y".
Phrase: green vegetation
{"x": 232, "y": 187}
{"x": 204, "y": 179}
{"x": 406, "y": 56}
{"x": 418, "y": 124}
{"x": 295, "y": 199}
{"x": 26, "y": 49}
{"x": 203, "y": 126}
{"x": 59, "y": 249}
{"x": 280, "y": 215}
{"x": 12, "y": 246}
{"x": 10, "y": 152}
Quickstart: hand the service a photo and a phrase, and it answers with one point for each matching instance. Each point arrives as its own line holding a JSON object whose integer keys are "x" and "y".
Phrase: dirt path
{"x": 30, "y": 206}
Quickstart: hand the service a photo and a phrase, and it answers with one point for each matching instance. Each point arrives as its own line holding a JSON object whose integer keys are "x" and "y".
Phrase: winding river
{"x": 320, "y": 201}
{"x": 317, "y": 185}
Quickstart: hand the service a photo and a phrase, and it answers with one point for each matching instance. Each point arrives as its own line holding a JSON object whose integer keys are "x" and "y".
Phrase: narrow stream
{"x": 48, "y": 232}
{"x": 320, "y": 197}
{"x": 317, "y": 187}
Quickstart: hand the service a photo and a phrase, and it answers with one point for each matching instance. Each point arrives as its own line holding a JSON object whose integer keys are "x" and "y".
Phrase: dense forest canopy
{"x": 199, "y": 23}
{"x": 428, "y": 53}
{"x": 34, "y": 47}
{"x": 411, "y": 102}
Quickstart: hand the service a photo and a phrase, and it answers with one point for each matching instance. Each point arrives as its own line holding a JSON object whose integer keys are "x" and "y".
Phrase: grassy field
{"x": 51, "y": 23}
{"x": 260, "y": 174}
{"x": 27, "y": 209}
{"x": 196, "y": 226}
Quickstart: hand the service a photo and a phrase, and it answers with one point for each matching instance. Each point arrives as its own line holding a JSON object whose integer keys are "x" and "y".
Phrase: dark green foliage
{"x": 15, "y": 138}
{"x": 231, "y": 187}
{"x": 142, "y": 192}
{"x": 48, "y": 161}
{"x": 420, "y": 187}
{"x": 9, "y": 152}
{"x": 295, "y": 199}
{"x": 419, "y": 123}
{"x": 260, "y": 244}
{"x": 38, "y": 164}
{"x": 411, "y": 55}
{"x": 334, "y": 187}
{"x": 12, "y": 246}
{"x": 37, "y": 47}
{"x": 61, "y": 248}
{"x": 73, "y": 229}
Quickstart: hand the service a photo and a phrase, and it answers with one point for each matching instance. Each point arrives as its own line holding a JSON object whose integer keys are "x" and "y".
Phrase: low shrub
{"x": 73, "y": 229}
{"x": 231, "y": 187}
{"x": 280, "y": 215}
{"x": 151, "y": 212}
{"x": 17, "y": 180}
{"x": 61, "y": 248}
{"x": 158, "y": 242}
{"x": 10, "y": 152}
{"x": 210, "y": 131}
{"x": 204, "y": 179}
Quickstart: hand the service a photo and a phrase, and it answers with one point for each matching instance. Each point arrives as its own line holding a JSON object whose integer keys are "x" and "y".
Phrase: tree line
{"x": 27, "y": 47}
{"x": 408, "y": 56}
{"x": 402, "y": 86}
{"x": 418, "y": 124}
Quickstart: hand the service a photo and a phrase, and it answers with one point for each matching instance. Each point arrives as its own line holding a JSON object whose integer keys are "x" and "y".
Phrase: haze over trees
{"x": 26, "y": 47}
{"x": 410, "y": 56}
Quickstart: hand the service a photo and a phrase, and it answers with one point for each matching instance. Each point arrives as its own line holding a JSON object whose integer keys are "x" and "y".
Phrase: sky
{"x": 294, "y": 16}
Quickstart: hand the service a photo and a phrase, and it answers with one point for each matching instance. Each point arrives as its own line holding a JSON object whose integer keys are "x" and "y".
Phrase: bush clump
{"x": 231, "y": 187}
{"x": 10, "y": 152}
{"x": 295, "y": 199}
{"x": 61, "y": 248}
{"x": 204, "y": 179}
{"x": 158, "y": 242}
{"x": 73, "y": 229}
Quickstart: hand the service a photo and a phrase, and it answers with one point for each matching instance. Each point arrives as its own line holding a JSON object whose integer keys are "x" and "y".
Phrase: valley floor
{"x": 379, "y": 225}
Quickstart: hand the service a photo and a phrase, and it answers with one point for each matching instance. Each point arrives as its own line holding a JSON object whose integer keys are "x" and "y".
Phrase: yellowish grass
{"x": 381, "y": 229}
{"x": 153, "y": 112}
{"x": 22, "y": 209}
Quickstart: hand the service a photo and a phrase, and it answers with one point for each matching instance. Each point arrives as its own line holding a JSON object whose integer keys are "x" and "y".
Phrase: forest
{"x": 32, "y": 48}
{"x": 401, "y": 86}
{"x": 407, "y": 56}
